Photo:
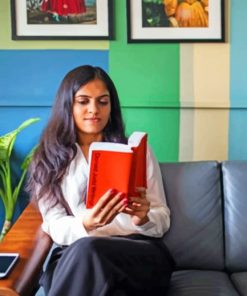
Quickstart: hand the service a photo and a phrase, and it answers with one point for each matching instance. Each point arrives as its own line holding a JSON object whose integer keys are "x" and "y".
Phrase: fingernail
{"x": 113, "y": 191}
{"x": 125, "y": 201}
{"x": 123, "y": 195}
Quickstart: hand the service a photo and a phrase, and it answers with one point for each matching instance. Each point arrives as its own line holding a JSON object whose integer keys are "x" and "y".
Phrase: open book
{"x": 118, "y": 166}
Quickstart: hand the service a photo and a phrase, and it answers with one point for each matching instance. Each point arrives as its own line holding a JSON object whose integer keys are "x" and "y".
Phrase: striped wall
{"x": 190, "y": 98}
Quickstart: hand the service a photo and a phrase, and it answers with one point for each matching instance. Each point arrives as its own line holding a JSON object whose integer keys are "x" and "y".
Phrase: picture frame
{"x": 157, "y": 22}
{"x": 46, "y": 20}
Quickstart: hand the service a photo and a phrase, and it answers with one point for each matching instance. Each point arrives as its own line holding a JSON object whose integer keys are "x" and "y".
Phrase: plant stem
{"x": 5, "y": 229}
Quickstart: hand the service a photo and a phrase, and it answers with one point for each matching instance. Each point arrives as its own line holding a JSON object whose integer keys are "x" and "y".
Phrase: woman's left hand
{"x": 138, "y": 207}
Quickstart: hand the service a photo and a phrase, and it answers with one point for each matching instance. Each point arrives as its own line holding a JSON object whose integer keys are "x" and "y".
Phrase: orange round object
{"x": 191, "y": 15}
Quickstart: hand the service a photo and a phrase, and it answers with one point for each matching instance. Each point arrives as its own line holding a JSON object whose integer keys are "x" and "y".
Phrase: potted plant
{"x": 8, "y": 192}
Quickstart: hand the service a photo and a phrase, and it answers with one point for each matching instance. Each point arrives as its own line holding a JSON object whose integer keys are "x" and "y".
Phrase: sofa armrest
{"x": 26, "y": 238}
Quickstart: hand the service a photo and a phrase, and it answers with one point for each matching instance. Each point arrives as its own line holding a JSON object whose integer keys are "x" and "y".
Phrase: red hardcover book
{"x": 118, "y": 166}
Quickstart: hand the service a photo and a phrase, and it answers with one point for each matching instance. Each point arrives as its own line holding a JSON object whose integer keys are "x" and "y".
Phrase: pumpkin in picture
{"x": 187, "y": 13}
{"x": 205, "y": 5}
{"x": 191, "y": 13}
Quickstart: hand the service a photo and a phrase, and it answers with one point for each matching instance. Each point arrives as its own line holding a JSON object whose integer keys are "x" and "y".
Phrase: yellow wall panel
{"x": 211, "y": 134}
{"x": 211, "y": 75}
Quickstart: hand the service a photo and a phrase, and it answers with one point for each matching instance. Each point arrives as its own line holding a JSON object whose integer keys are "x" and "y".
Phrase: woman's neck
{"x": 86, "y": 141}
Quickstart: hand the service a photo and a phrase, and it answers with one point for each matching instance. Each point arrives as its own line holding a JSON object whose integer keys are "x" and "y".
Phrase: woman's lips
{"x": 93, "y": 119}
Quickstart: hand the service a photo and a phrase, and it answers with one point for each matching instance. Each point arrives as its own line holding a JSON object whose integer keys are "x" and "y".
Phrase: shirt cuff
{"x": 146, "y": 226}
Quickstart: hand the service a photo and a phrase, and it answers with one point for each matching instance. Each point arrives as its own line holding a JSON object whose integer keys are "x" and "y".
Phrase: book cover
{"x": 118, "y": 166}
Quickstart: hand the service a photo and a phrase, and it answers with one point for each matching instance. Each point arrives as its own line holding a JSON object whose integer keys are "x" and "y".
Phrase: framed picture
{"x": 62, "y": 20}
{"x": 175, "y": 21}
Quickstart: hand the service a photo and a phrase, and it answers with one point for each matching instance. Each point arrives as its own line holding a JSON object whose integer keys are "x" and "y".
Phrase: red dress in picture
{"x": 64, "y": 7}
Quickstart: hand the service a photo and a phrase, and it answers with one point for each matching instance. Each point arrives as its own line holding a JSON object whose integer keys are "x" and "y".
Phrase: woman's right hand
{"x": 107, "y": 208}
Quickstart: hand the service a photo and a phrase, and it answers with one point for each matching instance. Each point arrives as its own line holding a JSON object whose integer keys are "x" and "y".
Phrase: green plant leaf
{"x": 7, "y": 141}
{"x": 7, "y": 192}
{"x": 27, "y": 122}
{"x": 26, "y": 162}
{"x": 2, "y": 194}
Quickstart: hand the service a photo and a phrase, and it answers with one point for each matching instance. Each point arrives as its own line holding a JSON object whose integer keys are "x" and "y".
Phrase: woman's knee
{"x": 88, "y": 245}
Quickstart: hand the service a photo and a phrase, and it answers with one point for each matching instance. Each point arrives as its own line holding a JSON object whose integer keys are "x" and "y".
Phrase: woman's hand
{"x": 107, "y": 208}
{"x": 138, "y": 207}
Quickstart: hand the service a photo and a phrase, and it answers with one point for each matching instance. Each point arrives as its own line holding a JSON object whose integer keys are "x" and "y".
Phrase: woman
{"x": 116, "y": 245}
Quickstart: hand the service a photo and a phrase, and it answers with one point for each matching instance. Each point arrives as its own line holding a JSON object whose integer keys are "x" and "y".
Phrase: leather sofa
{"x": 208, "y": 234}
{"x": 207, "y": 237}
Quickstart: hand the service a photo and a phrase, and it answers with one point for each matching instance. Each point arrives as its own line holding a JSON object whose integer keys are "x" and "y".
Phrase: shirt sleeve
{"x": 62, "y": 228}
{"x": 159, "y": 213}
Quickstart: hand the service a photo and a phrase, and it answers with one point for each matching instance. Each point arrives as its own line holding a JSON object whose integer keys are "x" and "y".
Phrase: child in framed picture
{"x": 63, "y": 7}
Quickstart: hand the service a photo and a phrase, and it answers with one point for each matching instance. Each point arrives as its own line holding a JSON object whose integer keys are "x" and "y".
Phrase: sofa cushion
{"x": 203, "y": 283}
{"x": 193, "y": 192}
{"x": 235, "y": 207}
{"x": 240, "y": 281}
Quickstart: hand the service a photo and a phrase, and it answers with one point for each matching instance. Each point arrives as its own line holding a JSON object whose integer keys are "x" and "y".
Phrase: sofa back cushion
{"x": 235, "y": 206}
{"x": 193, "y": 192}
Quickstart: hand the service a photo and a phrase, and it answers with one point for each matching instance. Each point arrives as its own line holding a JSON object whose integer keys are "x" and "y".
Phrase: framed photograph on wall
{"x": 175, "y": 21}
{"x": 58, "y": 20}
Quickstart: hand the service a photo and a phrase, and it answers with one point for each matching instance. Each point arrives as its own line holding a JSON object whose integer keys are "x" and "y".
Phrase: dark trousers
{"x": 107, "y": 266}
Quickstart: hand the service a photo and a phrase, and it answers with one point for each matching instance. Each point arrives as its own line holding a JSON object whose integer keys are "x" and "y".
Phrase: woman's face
{"x": 91, "y": 109}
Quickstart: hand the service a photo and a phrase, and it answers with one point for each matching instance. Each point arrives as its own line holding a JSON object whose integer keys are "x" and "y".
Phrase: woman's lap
{"x": 102, "y": 265}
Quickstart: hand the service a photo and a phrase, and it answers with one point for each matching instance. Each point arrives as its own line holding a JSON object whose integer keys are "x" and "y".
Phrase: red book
{"x": 118, "y": 166}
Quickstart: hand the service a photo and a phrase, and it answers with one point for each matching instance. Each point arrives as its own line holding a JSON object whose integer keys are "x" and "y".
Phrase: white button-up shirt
{"x": 65, "y": 229}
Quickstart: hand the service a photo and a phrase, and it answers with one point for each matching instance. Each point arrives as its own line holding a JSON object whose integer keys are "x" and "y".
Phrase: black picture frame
{"x": 82, "y": 28}
{"x": 143, "y": 27}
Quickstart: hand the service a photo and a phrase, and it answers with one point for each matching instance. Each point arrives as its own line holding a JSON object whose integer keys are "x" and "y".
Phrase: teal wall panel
{"x": 238, "y": 53}
{"x": 238, "y": 91}
{"x": 238, "y": 135}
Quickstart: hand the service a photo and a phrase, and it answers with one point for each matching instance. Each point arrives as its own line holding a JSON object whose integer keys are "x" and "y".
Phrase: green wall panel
{"x": 162, "y": 126}
{"x": 147, "y": 78}
{"x": 145, "y": 74}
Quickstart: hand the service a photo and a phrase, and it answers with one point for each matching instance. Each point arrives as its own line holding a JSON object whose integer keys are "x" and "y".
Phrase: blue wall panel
{"x": 28, "y": 79}
{"x": 10, "y": 118}
{"x": 31, "y": 77}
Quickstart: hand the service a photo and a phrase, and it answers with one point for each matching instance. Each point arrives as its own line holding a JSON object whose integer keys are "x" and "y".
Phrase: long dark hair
{"x": 57, "y": 146}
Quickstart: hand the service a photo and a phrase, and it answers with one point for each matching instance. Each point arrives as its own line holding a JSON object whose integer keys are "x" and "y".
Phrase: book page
{"x": 135, "y": 138}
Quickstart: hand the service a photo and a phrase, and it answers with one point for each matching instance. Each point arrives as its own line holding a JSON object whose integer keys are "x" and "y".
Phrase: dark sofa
{"x": 207, "y": 237}
{"x": 208, "y": 234}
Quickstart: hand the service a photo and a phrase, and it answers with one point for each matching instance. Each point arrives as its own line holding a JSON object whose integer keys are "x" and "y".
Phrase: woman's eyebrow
{"x": 82, "y": 96}
{"x": 86, "y": 96}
